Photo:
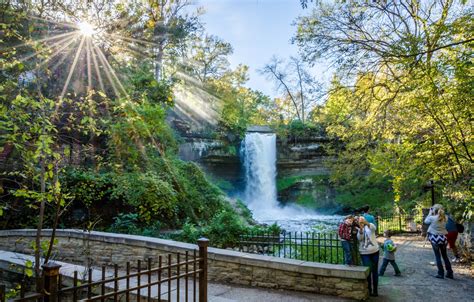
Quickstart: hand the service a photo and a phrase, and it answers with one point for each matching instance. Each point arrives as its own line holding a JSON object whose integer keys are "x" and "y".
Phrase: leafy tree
{"x": 208, "y": 57}
{"x": 295, "y": 83}
{"x": 402, "y": 101}
{"x": 241, "y": 106}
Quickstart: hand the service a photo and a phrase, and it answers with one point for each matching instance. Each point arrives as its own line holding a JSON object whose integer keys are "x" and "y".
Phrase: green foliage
{"x": 125, "y": 223}
{"x": 244, "y": 211}
{"x": 306, "y": 200}
{"x": 286, "y": 182}
{"x": 154, "y": 198}
{"x": 129, "y": 224}
{"x": 144, "y": 87}
{"x": 190, "y": 233}
{"x": 241, "y": 106}
{"x": 85, "y": 185}
{"x": 223, "y": 230}
{"x": 404, "y": 116}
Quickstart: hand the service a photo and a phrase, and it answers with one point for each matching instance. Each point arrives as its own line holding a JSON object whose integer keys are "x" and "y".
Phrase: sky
{"x": 257, "y": 30}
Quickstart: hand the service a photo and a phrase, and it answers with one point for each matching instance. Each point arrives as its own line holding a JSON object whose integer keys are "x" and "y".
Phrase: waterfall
{"x": 259, "y": 157}
{"x": 258, "y": 152}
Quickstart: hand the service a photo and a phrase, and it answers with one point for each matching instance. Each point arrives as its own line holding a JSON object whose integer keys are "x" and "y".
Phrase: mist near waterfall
{"x": 258, "y": 152}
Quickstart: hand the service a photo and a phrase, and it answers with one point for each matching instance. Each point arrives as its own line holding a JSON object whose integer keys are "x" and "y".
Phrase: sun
{"x": 86, "y": 29}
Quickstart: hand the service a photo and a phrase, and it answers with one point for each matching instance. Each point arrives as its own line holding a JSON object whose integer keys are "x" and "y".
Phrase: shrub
{"x": 125, "y": 223}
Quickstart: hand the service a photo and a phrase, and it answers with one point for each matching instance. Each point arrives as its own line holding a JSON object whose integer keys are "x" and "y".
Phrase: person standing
{"x": 369, "y": 217}
{"x": 369, "y": 252}
{"x": 452, "y": 236}
{"x": 389, "y": 249}
{"x": 437, "y": 232}
{"x": 346, "y": 237}
{"x": 354, "y": 242}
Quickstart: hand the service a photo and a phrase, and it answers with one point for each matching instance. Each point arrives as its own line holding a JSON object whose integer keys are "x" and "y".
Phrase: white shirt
{"x": 367, "y": 242}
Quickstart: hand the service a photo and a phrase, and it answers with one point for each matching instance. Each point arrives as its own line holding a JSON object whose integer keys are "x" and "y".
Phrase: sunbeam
{"x": 96, "y": 67}
{"x": 73, "y": 66}
{"x": 107, "y": 73}
{"x": 56, "y": 52}
{"x": 101, "y": 54}
{"x": 89, "y": 70}
{"x": 29, "y": 42}
{"x": 45, "y": 49}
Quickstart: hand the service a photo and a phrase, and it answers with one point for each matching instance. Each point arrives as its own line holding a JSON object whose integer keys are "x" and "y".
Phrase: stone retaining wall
{"x": 99, "y": 248}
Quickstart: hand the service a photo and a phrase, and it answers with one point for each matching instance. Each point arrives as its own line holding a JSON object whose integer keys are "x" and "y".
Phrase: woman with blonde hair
{"x": 436, "y": 220}
{"x": 369, "y": 252}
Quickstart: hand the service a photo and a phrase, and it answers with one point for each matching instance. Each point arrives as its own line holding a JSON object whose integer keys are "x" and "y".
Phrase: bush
{"x": 125, "y": 223}
{"x": 154, "y": 198}
{"x": 128, "y": 223}
{"x": 224, "y": 229}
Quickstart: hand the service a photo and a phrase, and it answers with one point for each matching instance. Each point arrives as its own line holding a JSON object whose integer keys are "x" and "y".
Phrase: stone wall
{"x": 98, "y": 248}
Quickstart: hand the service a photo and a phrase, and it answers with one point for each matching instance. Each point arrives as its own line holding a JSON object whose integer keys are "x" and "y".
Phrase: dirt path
{"x": 418, "y": 282}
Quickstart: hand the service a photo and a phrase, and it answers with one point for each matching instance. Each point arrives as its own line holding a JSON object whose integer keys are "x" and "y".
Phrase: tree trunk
{"x": 40, "y": 227}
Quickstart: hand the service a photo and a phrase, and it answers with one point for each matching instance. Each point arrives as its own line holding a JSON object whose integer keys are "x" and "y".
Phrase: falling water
{"x": 259, "y": 152}
{"x": 259, "y": 157}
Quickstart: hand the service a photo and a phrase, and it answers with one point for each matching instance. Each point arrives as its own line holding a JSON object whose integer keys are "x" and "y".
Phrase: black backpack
{"x": 460, "y": 228}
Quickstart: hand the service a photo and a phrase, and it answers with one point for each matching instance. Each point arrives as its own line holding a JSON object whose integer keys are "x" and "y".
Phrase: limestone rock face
{"x": 296, "y": 157}
{"x": 302, "y": 161}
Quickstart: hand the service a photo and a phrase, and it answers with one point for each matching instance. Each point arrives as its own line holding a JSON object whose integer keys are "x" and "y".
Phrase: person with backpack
{"x": 453, "y": 231}
{"x": 345, "y": 234}
{"x": 389, "y": 249}
{"x": 437, "y": 232}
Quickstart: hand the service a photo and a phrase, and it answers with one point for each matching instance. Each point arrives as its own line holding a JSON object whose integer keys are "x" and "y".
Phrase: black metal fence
{"x": 320, "y": 247}
{"x": 308, "y": 246}
{"x": 179, "y": 277}
{"x": 400, "y": 223}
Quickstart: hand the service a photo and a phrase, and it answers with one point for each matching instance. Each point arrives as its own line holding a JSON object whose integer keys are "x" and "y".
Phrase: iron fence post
{"x": 203, "y": 243}
{"x": 50, "y": 281}
{"x": 2, "y": 293}
{"x": 400, "y": 222}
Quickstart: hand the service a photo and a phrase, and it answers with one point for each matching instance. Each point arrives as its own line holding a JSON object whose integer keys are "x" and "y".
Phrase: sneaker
{"x": 439, "y": 276}
{"x": 449, "y": 276}
{"x": 432, "y": 263}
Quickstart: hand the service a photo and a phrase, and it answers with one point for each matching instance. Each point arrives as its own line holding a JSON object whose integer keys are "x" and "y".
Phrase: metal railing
{"x": 172, "y": 280}
{"x": 319, "y": 247}
{"x": 399, "y": 223}
{"x": 308, "y": 246}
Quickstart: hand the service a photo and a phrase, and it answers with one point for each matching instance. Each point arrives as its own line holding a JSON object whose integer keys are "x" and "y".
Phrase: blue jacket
{"x": 451, "y": 225}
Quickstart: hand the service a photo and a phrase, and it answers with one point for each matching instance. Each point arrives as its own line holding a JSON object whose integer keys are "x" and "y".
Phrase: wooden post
{"x": 50, "y": 281}
{"x": 203, "y": 243}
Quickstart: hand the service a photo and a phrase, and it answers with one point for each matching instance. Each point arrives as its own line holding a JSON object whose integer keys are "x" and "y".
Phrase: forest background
{"x": 85, "y": 88}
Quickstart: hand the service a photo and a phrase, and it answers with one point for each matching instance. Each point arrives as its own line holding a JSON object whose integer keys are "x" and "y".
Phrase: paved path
{"x": 418, "y": 282}
{"x": 226, "y": 293}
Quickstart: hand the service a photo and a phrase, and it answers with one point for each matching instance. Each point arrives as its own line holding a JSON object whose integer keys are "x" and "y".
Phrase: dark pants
{"x": 440, "y": 251}
{"x": 372, "y": 261}
{"x": 346, "y": 247}
{"x": 385, "y": 263}
{"x": 355, "y": 252}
